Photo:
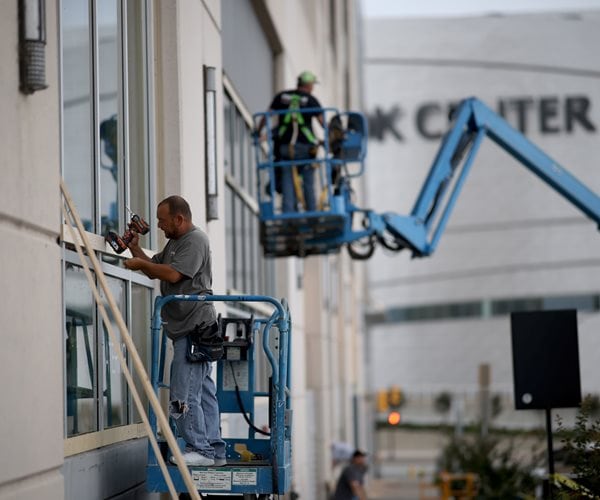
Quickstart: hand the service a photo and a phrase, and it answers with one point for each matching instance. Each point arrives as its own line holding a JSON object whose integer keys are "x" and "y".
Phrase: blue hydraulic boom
{"x": 299, "y": 233}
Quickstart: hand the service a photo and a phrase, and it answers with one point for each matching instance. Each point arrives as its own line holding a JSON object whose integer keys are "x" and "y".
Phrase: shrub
{"x": 581, "y": 446}
{"x": 500, "y": 475}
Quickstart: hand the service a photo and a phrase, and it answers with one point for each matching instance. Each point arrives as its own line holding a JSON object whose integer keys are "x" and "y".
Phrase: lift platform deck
{"x": 258, "y": 459}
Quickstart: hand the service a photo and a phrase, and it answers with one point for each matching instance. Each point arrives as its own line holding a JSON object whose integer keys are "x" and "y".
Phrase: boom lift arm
{"x": 421, "y": 230}
{"x": 327, "y": 230}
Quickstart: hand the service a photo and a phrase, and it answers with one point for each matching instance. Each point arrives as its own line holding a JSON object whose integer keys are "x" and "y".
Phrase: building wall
{"x": 510, "y": 236}
{"x": 184, "y": 36}
{"x": 31, "y": 357}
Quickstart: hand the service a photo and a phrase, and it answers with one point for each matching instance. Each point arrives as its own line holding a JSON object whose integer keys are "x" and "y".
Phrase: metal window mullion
{"x": 95, "y": 106}
{"x": 123, "y": 123}
{"x": 251, "y": 255}
{"x": 64, "y": 354}
{"x": 241, "y": 129}
{"x": 244, "y": 260}
{"x": 111, "y": 270}
{"x": 61, "y": 119}
{"x": 99, "y": 372}
{"x": 128, "y": 319}
{"x": 235, "y": 249}
{"x": 148, "y": 55}
{"x": 95, "y": 142}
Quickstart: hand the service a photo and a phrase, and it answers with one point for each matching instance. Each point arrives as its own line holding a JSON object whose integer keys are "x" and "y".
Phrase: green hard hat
{"x": 307, "y": 77}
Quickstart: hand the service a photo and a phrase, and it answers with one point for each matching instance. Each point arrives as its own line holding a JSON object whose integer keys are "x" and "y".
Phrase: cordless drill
{"x": 119, "y": 243}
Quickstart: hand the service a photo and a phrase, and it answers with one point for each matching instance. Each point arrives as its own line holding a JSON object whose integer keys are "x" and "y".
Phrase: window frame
{"x": 145, "y": 50}
{"x": 240, "y": 193}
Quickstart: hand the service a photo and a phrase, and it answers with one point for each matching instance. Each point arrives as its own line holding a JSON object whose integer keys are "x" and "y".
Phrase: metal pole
{"x": 550, "y": 451}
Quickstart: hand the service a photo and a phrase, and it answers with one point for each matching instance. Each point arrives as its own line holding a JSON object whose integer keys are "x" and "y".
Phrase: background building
{"x": 122, "y": 120}
{"x": 512, "y": 243}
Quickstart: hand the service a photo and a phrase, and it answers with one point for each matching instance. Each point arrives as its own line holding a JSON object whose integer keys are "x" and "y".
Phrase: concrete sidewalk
{"x": 400, "y": 489}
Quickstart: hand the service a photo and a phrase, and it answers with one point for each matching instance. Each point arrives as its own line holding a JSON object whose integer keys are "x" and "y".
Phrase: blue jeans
{"x": 288, "y": 194}
{"x": 193, "y": 404}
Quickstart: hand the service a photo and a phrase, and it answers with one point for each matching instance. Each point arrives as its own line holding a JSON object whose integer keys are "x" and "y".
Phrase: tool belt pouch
{"x": 204, "y": 344}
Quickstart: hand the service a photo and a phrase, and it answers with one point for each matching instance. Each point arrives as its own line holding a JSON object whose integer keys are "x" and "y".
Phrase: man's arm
{"x": 357, "y": 490}
{"x": 163, "y": 272}
{"x": 154, "y": 270}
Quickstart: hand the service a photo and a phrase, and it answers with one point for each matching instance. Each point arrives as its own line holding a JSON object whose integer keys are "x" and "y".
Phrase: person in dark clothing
{"x": 350, "y": 485}
{"x": 294, "y": 139}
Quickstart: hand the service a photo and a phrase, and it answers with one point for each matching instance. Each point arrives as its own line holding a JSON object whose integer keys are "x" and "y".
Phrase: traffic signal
{"x": 395, "y": 397}
{"x": 394, "y": 418}
{"x": 382, "y": 401}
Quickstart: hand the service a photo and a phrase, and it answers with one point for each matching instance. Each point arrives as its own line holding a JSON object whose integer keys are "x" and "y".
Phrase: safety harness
{"x": 295, "y": 118}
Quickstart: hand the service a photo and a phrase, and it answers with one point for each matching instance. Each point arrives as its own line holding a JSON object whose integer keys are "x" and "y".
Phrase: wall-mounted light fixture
{"x": 210, "y": 134}
{"x": 32, "y": 45}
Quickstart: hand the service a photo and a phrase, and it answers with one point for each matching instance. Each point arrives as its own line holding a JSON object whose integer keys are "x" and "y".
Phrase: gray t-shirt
{"x": 352, "y": 472}
{"x": 190, "y": 255}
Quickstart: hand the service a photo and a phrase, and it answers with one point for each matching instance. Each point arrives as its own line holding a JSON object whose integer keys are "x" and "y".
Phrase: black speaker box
{"x": 545, "y": 359}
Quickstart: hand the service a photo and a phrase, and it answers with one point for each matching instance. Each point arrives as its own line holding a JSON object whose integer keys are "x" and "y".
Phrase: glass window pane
{"x": 251, "y": 169}
{"x": 243, "y": 138}
{"x": 229, "y": 235}
{"x": 248, "y": 243}
{"x": 80, "y": 352}
{"x": 239, "y": 239}
{"x": 108, "y": 113}
{"x": 137, "y": 118}
{"x": 141, "y": 312}
{"x": 76, "y": 107}
{"x": 236, "y": 149}
{"x": 227, "y": 158}
{"x": 114, "y": 389}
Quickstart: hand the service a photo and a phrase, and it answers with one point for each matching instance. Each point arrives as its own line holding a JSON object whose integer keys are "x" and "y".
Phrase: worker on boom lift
{"x": 294, "y": 140}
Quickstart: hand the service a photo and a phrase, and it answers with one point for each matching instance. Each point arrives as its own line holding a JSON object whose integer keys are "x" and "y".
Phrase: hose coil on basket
{"x": 363, "y": 248}
{"x": 366, "y": 244}
{"x": 369, "y": 244}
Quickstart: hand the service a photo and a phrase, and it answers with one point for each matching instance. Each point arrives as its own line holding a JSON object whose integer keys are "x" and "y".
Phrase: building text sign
{"x": 546, "y": 115}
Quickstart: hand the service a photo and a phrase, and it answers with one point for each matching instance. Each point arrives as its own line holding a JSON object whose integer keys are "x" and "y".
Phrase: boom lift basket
{"x": 321, "y": 231}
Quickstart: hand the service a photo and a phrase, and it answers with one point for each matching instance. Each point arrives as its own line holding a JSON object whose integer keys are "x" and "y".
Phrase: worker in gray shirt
{"x": 350, "y": 485}
{"x": 184, "y": 267}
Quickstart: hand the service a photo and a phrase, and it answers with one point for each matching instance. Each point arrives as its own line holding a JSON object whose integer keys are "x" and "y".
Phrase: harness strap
{"x": 297, "y": 119}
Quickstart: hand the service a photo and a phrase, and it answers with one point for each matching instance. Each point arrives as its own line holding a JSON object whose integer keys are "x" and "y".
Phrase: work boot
{"x": 194, "y": 458}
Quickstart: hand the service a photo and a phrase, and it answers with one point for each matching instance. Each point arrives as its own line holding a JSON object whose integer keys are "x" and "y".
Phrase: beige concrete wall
{"x": 31, "y": 419}
{"x": 187, "y": 39}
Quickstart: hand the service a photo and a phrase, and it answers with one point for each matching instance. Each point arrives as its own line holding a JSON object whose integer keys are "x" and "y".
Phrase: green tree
{"x": 581, "y": 448}
{"x": 500, "y": 475}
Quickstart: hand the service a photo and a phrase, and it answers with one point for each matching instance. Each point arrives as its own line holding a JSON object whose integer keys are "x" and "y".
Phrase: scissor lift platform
{"x": 241, "y": 478}
{"x": 256, "y": 466}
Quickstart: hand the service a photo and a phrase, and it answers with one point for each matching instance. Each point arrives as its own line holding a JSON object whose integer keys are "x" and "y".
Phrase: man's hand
{"x": 135, "y": 240}
{"x": 134, "y": 264}
{"x": 136, "y": 250}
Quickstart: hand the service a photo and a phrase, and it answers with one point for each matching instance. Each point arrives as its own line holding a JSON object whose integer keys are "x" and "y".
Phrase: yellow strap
{"x": 296, "y": 179}
{"x": 572, "y": 485}
{"x": 298, "y": 187}
{"x": 323, "y": 199}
